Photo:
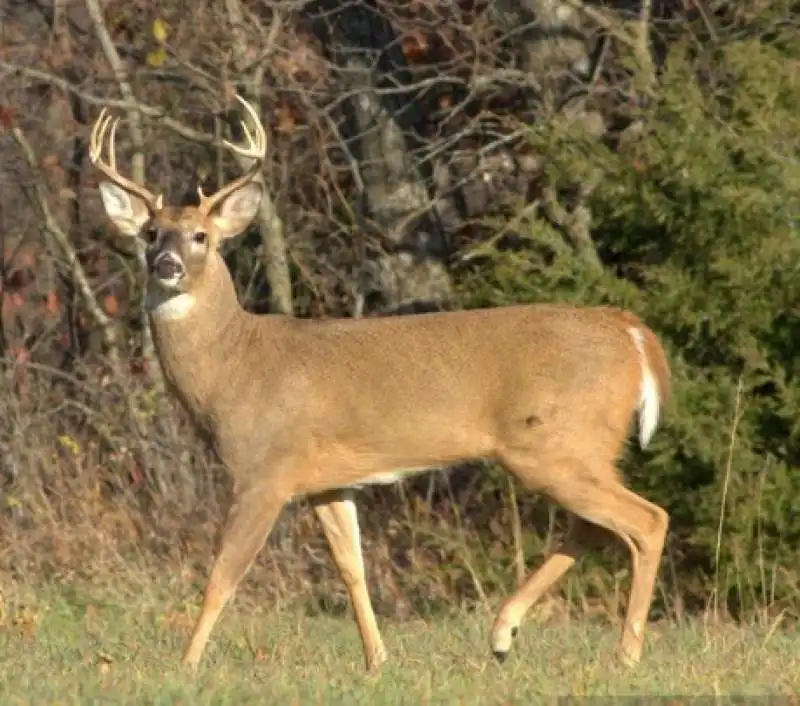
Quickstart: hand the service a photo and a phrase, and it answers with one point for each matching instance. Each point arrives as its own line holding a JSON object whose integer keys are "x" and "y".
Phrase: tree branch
{"x": 62, "y": 241}
{"x": 138, "y": 166}
{"x": 270, "y": 223}
{"x": 638, "y": 41}
{"x": 644, "y": 58}
{"x": 121, "y": 75}
{"x": 575, "y": 225}
{"x": 149, "y": 111}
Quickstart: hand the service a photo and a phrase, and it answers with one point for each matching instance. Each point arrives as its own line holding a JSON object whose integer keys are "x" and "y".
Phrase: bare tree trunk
{"x": 554, "y": 50}
{"x": 276, "y": 264}
{"x": 548, "y": 36}
{"x": 396, "y": 198}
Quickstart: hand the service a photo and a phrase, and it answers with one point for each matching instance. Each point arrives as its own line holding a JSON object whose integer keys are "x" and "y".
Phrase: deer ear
{"x": 127, "y": 211}
{"x": 238, "y": 210}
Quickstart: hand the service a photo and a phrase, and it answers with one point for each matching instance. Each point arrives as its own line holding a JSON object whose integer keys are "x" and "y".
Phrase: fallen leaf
{"x": 286, "y": 123}
{"x": 415, "y": 45}
{"x": 156, "y": 58}
{"x": 26, "y": 623}
{"x": 111, "y": 305}
{"x": 7, "y": 116}
{"x": 176, "y": 620}
{"x": 52, "y": 304}
{"x": 160, "y": 30}
{"x": 105, "y": 661}
{"x": 22, "y": 355}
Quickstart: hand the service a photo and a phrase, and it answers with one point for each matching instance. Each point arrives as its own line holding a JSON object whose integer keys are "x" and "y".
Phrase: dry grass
{"x": 84, "y": 644}
{"x": 88, "y": 495}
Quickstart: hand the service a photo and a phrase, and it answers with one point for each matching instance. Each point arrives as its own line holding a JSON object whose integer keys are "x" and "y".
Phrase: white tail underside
{"x": 649, "y": 400}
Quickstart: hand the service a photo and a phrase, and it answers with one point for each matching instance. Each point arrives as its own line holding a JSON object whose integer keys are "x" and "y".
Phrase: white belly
{"x": 390, "y": 477}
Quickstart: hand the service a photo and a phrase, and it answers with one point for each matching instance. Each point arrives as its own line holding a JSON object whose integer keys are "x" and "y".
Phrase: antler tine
{"x": 256, "y": 150}
{"x": 257, "y": 146}
{"x": 109, "y": 168}
{"x": 112, "y": 145}
{"x": 96, "y": 138}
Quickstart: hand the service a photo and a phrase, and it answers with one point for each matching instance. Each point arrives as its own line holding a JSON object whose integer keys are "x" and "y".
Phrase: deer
{"x": 317, "y": 408}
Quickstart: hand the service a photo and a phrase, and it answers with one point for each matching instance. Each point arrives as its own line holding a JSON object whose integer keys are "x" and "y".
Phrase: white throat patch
{"x": 164, "y": 305}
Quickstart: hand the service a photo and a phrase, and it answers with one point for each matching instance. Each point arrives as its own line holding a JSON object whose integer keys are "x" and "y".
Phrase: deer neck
{"x": 196, "y": 336}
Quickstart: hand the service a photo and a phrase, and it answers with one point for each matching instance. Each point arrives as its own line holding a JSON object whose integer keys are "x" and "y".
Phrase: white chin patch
{"x": 164, "y": 305}
{"x": 170, "y": 283}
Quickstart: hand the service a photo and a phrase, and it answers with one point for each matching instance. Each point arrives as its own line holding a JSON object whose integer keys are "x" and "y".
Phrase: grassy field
{"x": 67, "y": 645}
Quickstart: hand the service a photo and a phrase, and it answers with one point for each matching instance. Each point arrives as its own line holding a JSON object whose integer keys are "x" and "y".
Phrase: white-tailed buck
{"x": 300, "y": 408}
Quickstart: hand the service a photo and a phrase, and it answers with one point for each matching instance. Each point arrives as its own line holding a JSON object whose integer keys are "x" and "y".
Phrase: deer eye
{"x": 200, "y": 237}
{"x": 150, "y": 234}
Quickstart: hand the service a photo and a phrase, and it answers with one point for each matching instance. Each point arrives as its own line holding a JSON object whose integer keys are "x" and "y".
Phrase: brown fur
{"x": 311, "y": 408}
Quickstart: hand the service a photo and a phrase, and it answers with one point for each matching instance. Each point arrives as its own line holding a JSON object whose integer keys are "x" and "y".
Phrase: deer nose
{"x": 166, "y": 266}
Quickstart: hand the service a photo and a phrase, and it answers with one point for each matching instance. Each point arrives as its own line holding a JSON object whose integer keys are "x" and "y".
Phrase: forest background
{"x": 423, "y": 155}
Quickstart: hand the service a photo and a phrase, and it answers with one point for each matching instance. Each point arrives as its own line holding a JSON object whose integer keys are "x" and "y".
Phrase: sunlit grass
{"x": 68, "y": 645}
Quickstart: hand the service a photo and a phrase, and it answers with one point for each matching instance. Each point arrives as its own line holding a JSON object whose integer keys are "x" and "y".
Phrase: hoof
{"x": 630, "y": 660}
{"x": 375, "y": 660}
{"x": 190, "y": 665}
{"x": 501, "y": 642}
{"x": 631, "y": 652}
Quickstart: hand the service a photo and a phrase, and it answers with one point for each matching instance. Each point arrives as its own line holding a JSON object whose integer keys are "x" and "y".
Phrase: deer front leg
{"x": 337, "y": 513}
{"x": 248, "y": 524}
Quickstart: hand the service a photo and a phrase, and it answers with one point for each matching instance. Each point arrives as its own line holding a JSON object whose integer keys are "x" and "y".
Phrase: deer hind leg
{"x": 248, "y": 524}
{"x": 650, "y": 539}
{"x": 337, "y": 513}
{"x": 580, "y": 537}
{"x": 594, "y": 493}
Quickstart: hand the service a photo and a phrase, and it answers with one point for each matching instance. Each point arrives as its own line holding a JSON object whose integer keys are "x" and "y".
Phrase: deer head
{"x": 181, "y": 243}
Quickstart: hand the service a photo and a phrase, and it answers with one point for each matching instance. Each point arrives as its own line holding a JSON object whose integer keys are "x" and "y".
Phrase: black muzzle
{"x": 167, "y": 267}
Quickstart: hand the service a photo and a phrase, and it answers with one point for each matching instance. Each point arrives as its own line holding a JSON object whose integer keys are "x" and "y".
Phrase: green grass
{"x": 93, "y": 645}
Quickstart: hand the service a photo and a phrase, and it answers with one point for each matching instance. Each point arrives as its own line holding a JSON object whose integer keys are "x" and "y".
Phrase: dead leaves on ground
{"x": 22, "y": 621}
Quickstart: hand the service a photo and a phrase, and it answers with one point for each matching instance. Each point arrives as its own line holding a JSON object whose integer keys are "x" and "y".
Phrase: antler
{"x": 98, "y": 136}
{"x": 256, "y": 150}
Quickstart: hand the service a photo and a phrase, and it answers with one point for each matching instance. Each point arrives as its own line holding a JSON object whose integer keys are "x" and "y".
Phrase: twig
{"x": 149, "y": 111}
{"x": 575, "y": 225}
{"x": 642, "y": 48}
{"x": 698, "y": 5}
{"x": 616, "y": 30}
{"x": 516, "y": 531}
{"x": 602, "y": 20}
{"x": 466, "y": 554}
{"x": 54, "y": 230}
{"x": 737, "y": 415}
{"x": 121, "y": 75}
